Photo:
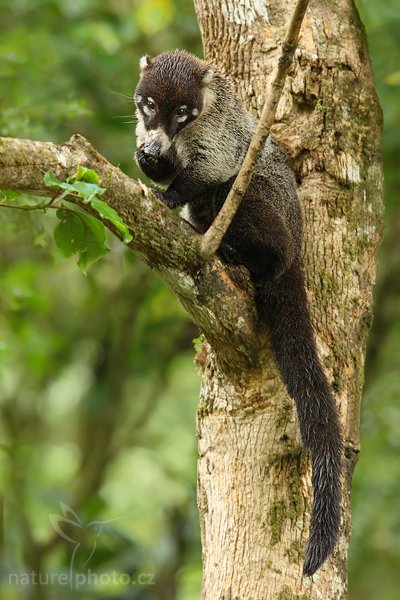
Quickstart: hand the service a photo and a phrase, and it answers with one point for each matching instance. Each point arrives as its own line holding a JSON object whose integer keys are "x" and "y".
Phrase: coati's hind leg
{"x": 229, "y": 254}
{"x": 258, "y": 237}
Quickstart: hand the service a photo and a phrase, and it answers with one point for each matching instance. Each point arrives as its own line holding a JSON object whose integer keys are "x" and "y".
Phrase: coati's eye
{"x": 181, "y": 114}
{"x": 151, "y": 105}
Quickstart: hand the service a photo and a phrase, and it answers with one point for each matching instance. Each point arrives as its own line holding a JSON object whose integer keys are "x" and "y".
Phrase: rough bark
{"x": 254, "y": 479}
{"x": 213, "y": 237}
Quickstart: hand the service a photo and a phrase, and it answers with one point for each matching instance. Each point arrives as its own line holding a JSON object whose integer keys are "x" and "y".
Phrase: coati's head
{"x": 169, "y": 97}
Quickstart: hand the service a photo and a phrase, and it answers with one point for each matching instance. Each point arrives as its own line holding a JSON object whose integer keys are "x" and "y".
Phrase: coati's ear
{"x": 145, "y": 62}
{"x": 207, "y": 75}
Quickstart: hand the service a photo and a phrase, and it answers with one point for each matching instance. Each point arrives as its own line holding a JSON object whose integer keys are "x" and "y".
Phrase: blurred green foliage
{"x": 375, "y": 547}
{"x": 382, "y": 22}
{"x": 97, "y": 384}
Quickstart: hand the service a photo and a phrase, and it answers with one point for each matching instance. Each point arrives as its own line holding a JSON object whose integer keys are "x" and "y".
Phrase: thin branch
{"x": 212, "y": 238}
{"x": 26, "y": 207}
{"x": 44, "y": 207}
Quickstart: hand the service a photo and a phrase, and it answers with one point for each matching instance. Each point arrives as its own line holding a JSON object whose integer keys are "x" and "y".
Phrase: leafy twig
{"x": 84, "y": 185}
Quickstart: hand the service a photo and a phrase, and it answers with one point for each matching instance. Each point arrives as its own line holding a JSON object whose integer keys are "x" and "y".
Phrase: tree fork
{"x": 163, "y": 240}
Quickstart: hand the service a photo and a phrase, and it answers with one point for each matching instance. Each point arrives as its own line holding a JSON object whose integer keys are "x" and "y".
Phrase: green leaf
{"x": 68, "y": 233}
{"x": 107, "y": 212}
{"x": 82, "y": 234}
{"x": 88, "y": 175}
{"x": 87, "y": 190}
{"x": 84, "y": 182}
{"x": 51, "y": 180}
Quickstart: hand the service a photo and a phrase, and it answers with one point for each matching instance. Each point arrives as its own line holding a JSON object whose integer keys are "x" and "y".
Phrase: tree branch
{"x": 163, "y": 240}
{"x": 212, "y": 238}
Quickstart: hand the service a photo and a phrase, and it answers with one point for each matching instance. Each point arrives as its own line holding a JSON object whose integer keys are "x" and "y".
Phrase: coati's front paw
{"x": 169, "y": 199}
{"x": 157, "y": 167}
{"x": 144, "y": 160}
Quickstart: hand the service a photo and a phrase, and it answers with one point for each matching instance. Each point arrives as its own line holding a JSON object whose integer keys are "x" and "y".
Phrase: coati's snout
{"x": 152, "y": 149}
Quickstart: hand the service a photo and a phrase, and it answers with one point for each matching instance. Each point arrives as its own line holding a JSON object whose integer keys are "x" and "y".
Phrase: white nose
{"x": 153, "y": 148}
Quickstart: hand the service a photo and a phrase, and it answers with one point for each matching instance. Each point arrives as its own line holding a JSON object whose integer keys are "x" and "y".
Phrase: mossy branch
{"x": 212, "y": 238}
{"x": 218, "y": 304}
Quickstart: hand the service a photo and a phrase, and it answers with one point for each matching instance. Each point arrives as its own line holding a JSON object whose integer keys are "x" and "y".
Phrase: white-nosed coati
{"x": 193, "y": 132}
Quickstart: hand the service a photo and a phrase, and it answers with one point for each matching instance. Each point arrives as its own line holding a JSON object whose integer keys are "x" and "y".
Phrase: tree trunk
{"x": 254, "y": 484}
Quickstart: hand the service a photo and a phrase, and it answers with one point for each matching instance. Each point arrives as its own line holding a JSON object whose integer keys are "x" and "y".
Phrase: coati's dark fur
{"x": 194, "y": 133}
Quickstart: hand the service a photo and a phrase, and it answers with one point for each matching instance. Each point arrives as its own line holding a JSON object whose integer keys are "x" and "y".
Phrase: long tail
{"x": 282, "y": 304}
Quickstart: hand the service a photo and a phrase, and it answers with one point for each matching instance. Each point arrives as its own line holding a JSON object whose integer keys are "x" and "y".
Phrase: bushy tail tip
{"x": 325, "y": 517}
{"x": 316, "y": 555}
